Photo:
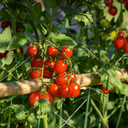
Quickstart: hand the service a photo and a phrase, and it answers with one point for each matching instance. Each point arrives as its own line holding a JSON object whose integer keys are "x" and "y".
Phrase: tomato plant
{"x": 63, "y": 51}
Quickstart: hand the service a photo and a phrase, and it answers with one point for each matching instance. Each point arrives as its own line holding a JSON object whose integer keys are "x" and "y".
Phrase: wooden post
{"x": 29, "y": 86}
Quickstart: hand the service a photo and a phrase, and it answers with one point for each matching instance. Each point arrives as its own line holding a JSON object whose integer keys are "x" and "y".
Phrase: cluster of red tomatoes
{"x": 65, "y": 84}
{"x": 112, "y": 10}
{"x": 5, "y": 24}
{"x": 121, "y": 41}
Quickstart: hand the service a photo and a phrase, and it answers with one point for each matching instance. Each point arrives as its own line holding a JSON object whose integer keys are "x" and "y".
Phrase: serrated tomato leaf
{"x": 5, "y": 39}
{"x": 50, "y": 3}
{"x": 104, "y": 57}
{"x": 69, "y": 11}
{"x": 85, "y": 18}
{"x": 32, "y": 120}
{"x": 9, "y": 58}
{"x": 61, "y": 39}
{"x": 110, "y": 79}
{"x": 20, "y": 111}
{"x": 18, "y": 39}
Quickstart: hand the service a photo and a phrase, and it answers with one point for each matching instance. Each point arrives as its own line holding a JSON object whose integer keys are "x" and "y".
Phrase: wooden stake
{"x": 29, "y": 86}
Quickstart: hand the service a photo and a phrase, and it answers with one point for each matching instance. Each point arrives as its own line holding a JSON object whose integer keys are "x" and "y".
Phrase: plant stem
{"x": 38, "y": 126}
{"x": 61, "y": 114}
{"x": 103, "y": 119}
{"x": 45, "y": 121}
{"x": 121, "y": 110}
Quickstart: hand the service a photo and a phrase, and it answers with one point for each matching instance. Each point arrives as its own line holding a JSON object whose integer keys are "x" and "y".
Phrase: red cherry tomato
{"x": 60, "y": 67}
{"x": 108, "y": 2}
{"x": 67, "y": 51}
{"x": 50, "y": 64}
{"x": 123, "y": 1}
{"x": 126, "y": 5}
{"x": 31, "y": 50}
{"x": 65, "y": 90}
{"x": 36, "y": 62}
{"x": 119, "y": 42}
{"x": 52, "y": 52}
{"x": 61, "y": 79}
{"x": 48, "y": 96}
{"x": 75, "y": 89}
{"x": 122, "y": 33}
{"x": 35, "y": 96}
{"x": 6, "y": 23}
{"x": 126, "y": 47}
{"x": 20, "y": 28}
{"x": 105, "y": 91}
{"x": 72, "y": 77}
{"x": 54, "y": 90}
{"x": 35, "y": 73}
{"x": 112, "y": 10}
{"x": 47, "y": 73}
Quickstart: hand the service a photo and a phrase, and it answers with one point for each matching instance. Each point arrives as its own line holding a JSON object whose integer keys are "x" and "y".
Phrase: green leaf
{"x": 20, "y": 111}
{"x": 46, "y": 106}
{"x": 36, "y": 21}
{"x": 9, "y": 58}
{"x": 6, "y": 113}
{"x": 32, "y": 120}
{"x": 37, "y": 9}
{"x": 69, "y": 11}
{"x": 104, "y": 57}
{"x": 18, "y": 39}
{"x": 50, "y": 3}
{"x": 86, "y": 19}
{"x": 61, "y": 39}
{"x": 36, "y": 103}
{"x": 110, "y": 79}
{"x": 5, "y": 39}
{"x": 125, "y": 89}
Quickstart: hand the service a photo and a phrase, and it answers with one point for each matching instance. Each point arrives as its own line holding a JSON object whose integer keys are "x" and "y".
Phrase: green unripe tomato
{"x": 105, "y": 23}
{"x": 23, "y": 15}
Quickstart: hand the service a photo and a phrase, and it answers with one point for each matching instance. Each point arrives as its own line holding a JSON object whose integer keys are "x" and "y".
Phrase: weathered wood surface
{"x": 29, "y": 86}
